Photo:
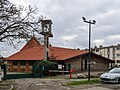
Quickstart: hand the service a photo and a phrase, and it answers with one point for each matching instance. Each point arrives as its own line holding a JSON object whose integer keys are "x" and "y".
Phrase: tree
{"x": 17, "y": 21}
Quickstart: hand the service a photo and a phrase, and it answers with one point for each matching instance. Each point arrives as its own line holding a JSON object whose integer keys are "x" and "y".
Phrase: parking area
{"x": 54, "y": 83}
{"x": 57, "y": 84}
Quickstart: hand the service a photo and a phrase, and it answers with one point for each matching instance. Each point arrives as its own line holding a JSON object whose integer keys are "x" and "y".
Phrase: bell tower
{"x": 46, "y": 32}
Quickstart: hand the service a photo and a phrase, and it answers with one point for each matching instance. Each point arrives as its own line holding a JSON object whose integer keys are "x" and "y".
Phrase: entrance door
{"x": 85, "y": 64}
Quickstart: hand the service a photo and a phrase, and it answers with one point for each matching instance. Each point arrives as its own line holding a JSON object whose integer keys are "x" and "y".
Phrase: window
{"x": 97, "y": 50}
{"x": 15, "y": 62}
{"x": 118, "y": 55}
{"x": 23, "y": 63}
{"x": 113, "y": 49}
{"x": 118, "y": 61}
{"x": 118, "y": 48}
{"x": 113, "y": 55}
{"x": 115, "y": 70}
{"x": 31, "y": 62}
{"x": 93, "y": 50}
{"x": 108, "y": 50}
{"x": 108, "y": 56}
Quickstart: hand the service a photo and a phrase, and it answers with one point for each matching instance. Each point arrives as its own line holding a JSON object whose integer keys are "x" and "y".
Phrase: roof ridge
{"x": 31, "y": 43}
{"x": 65, "y": 48}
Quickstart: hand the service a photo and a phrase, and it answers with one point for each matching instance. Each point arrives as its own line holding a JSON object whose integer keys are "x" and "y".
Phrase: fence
{"x": 37, "y": 72}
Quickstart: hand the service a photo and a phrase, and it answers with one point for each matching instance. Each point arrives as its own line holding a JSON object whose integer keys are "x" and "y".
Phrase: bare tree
{"x": 17, "y": 21}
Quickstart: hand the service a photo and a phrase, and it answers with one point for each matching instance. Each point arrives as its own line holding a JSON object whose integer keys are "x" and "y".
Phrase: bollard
{"x": 72, "y": 70}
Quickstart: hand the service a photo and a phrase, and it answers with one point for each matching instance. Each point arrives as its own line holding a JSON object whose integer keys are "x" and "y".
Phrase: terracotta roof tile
{"x": 36, "y": 52}
{"x": 31, "y": 43}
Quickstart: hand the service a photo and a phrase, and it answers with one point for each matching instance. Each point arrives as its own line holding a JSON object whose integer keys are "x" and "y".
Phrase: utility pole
{"x": 89, "y": 56}
{"x": 46, "y": 32}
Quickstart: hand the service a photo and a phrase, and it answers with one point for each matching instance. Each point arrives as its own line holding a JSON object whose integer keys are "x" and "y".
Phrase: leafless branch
{"x": 13, "y": 24}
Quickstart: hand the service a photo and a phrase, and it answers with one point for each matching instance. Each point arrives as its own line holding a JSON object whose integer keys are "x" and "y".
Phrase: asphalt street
{"x": 57, "y": 84}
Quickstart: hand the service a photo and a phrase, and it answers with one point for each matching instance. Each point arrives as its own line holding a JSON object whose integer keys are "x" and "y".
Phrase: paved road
{"x": 40, "y": 84}
{"x": 57, "y": 84}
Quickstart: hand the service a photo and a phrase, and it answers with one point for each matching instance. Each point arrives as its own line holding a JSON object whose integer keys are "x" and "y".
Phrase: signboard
{"x": 59, "y": 66}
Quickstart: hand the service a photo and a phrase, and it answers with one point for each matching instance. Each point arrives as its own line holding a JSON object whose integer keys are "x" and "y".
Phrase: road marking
{"x": 11, "y": 87}
{"x": 39, "y": 84}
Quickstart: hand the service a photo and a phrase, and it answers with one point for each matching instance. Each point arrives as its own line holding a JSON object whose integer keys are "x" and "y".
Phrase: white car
{"x": 113, "y": 76}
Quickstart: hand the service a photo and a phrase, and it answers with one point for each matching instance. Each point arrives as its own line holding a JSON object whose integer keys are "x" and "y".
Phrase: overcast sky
{"x": 68, "y": 28}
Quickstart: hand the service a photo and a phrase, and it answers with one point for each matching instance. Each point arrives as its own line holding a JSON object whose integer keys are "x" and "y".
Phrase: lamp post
{"x": 89, "y": 56}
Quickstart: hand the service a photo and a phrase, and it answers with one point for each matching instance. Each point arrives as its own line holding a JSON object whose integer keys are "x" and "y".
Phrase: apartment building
{"x": 111, "y": 52}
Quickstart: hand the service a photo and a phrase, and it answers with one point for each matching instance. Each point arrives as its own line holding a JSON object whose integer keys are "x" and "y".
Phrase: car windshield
{"x": 115, "y": 70}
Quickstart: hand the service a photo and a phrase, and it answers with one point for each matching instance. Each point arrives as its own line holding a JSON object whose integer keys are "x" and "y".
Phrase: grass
{"x": 81, "y": 82}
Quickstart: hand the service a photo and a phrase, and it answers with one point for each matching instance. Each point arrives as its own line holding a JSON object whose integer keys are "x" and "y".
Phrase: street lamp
{"x": 89, "y": 56}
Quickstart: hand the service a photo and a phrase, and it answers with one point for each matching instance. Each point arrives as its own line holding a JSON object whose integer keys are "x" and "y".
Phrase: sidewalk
{"x": 94, "y": 74}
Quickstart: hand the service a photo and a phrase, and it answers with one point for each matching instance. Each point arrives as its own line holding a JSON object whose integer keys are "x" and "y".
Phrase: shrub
{"x": 45, "y": 66}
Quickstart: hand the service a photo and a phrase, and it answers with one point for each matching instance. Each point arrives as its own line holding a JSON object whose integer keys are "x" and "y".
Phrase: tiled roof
{"x": 65, "y": 53}
{"x": 35, "y": 51}
{"x": 31, "y": 43}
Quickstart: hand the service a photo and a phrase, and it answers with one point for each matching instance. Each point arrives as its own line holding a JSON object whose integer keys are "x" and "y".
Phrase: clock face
{"x": 46, "y": 28}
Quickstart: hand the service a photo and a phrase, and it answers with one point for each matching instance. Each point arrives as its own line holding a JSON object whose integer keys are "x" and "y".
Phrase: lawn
{"x": 81, "y": 82}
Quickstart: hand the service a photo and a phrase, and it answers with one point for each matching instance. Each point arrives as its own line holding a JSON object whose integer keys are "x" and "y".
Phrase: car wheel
{"x": 119, "y": 80}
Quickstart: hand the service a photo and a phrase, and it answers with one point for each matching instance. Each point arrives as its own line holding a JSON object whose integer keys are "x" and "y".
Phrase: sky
{"x": 68, "y": 28}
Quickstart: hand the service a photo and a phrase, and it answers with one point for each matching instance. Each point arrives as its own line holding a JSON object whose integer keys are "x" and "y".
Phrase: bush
{"x": 45, "y": 66}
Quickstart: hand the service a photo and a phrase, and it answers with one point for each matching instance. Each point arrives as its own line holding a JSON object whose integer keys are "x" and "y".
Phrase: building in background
{"x": 112, "y": 52}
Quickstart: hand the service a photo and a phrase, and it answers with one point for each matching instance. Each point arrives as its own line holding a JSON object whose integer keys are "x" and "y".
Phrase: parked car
{"x": 112, "y": 76}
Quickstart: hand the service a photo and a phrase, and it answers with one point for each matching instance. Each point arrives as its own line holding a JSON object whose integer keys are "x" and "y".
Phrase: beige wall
{"x": 76, "y": 64}
{"x": 100, "y": 64}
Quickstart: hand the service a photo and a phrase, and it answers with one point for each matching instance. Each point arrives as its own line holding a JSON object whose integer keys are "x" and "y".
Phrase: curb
{"x": 11, "y": 87}
{"x": 66, "y": 85}
{"x": 63, "y": 84}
